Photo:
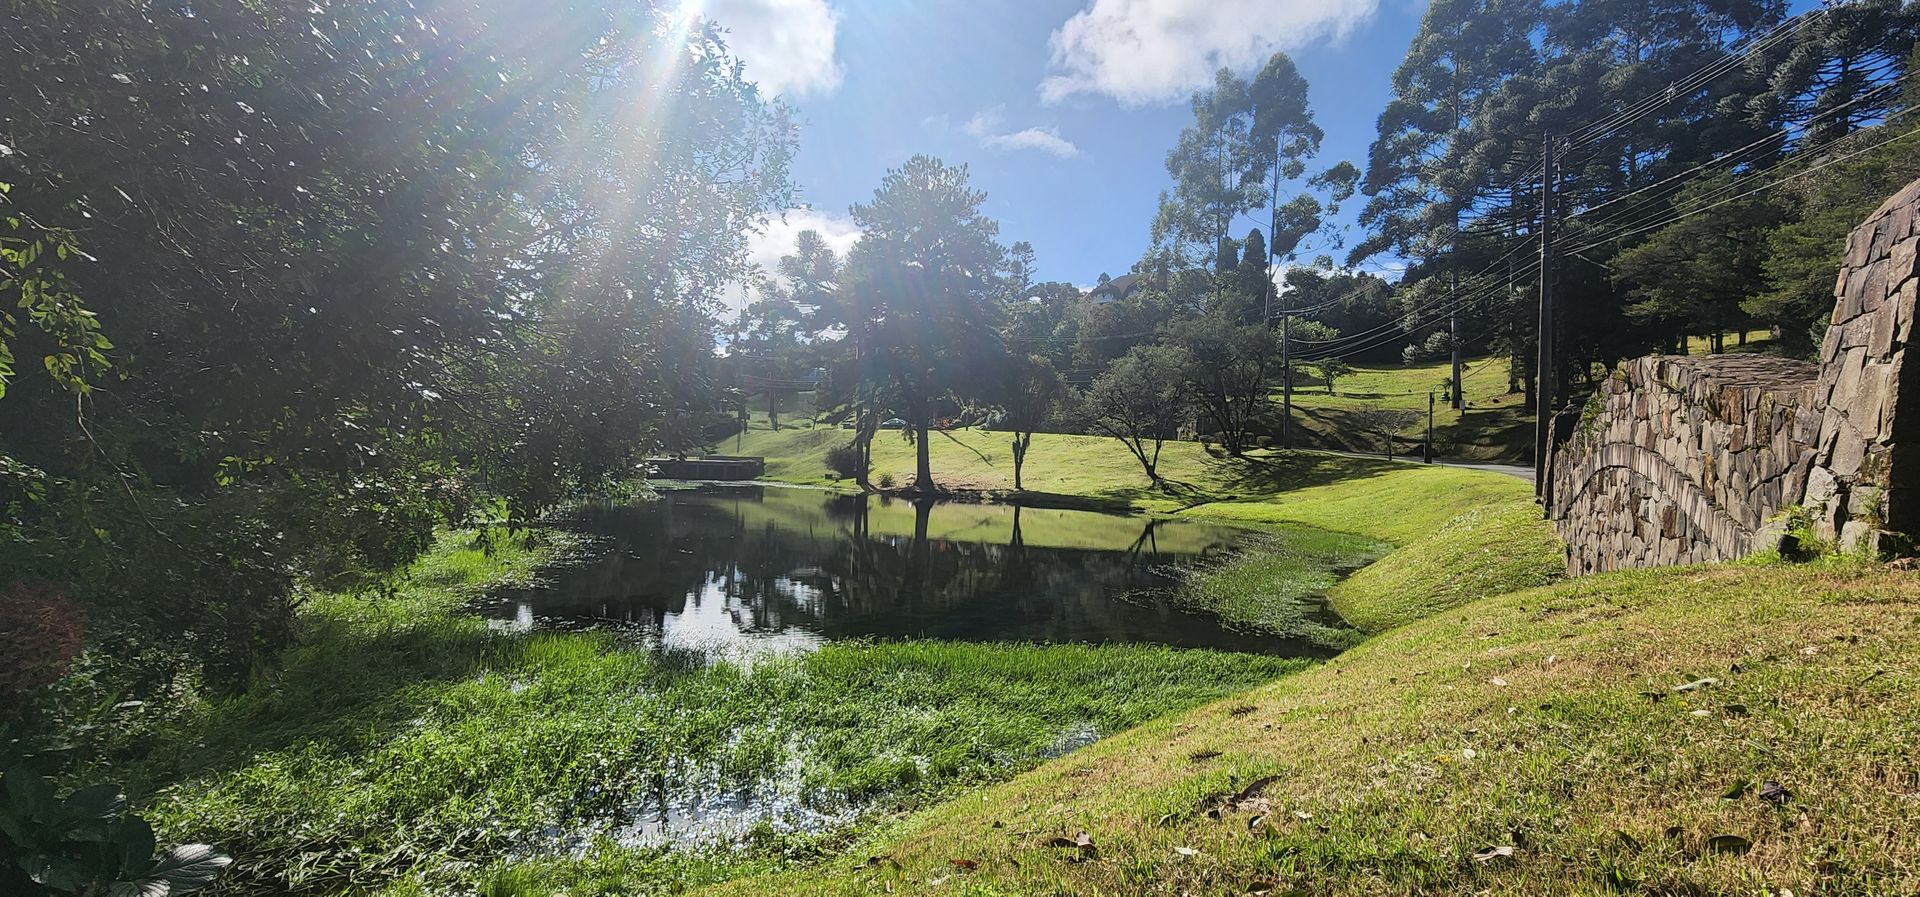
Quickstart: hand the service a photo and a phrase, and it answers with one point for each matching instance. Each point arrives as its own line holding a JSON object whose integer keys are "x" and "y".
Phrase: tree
{"x": 927, "y": 268}
{"x": 360, "y": 272}
{"x": 1837, "y": 69}
{"x": 1228, "y": 371}
{"x": 1247, "y": 141}
{"x": 1026, "y": 392}
{"x": 1803, "y": 253}
{"x": 1692, "y": 275}
{"x": 1332, "y": 368}
{"x": 1140, "y": 401}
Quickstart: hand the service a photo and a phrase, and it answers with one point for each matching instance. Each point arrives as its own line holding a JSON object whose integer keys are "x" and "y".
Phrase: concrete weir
{"x": 1680, "y": 460}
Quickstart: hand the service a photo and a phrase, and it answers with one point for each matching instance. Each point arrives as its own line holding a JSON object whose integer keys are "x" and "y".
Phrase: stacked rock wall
{"x": 1686, "y": 460}
{"x": 1683, "y": 460}
{"x": 1867, "y": 469}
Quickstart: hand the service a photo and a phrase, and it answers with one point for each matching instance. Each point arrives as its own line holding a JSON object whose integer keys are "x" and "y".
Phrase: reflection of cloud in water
{"x": 714, "y": 621}
{"x": 744, "y": 571}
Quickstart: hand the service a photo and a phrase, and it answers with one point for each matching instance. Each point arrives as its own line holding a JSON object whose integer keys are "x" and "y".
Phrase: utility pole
{"x": 1429, "y": 427}
{"x": 1453, "y": 336}
{"x": 1544, "y": 366}
{"x": 1286, "y": 375}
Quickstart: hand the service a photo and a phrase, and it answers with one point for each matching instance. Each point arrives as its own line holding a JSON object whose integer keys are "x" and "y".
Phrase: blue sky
{"x": 1063, "y": 109}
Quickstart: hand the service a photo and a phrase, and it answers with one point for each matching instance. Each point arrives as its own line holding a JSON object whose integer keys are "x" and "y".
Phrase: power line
{"x": 1687, "y": 85}
{"x": 1717, "y": 160}
{"x": 1692, "y": 212}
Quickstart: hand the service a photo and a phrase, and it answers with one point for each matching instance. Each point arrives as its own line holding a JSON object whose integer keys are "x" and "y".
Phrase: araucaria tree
{"x": 1142, "y": 401}
{"x": 926, "y": 279}
{"x": 311, "y": 281}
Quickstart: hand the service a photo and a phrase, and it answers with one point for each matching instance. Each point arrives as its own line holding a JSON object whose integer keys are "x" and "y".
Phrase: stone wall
{"x": 1686, "y": 460}
{"x": 1683, "y": 460}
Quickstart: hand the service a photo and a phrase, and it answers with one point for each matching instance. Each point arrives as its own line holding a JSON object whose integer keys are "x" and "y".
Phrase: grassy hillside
{"x": 1734, "y": 730}
{"x": 1463, "y": 534}
{"x": 1492, "y": 427}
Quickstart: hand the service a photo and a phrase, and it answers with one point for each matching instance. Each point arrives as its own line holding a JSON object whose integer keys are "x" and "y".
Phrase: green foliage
{"x": 1278, "y": 584}
{"x": 299, "y": 284}
{"x": 1692, "y": 275}
{"x": 405, "y": 739}
{"x": 846, "y": 461}
{"x": 1227, "y": 368}
{"x": 923, "y": 283}
{"x": 1804, "y": 253}
{"x": 1141, "y": 400}
{"x": 86, "y": 843}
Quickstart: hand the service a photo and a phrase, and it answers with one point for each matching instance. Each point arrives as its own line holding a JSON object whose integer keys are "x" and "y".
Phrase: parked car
{"x": 893, "y": 423}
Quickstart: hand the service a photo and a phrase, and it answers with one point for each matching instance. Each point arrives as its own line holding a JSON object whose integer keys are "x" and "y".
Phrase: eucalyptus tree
{"x": 926, "y": 278}
{"x": 315, "y": 280}
{"x": 1249, "y": 148}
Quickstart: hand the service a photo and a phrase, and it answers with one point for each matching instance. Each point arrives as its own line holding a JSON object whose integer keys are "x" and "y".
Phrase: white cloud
{"x": 787, "y": 45}
{"x": 1046, "y": 140}
{"x": 987, "y": 128}
{"x": 779, "y": 237}
{"x": 1150, "y": 51}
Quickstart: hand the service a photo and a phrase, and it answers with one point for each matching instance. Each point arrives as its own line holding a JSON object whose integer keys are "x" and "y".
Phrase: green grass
{"x": 1275, "y": 584}
{"x": 1546, "y": 721}
{"x": 407, "y": 746}
{"x": 1462, "y": 534}
{"x": 1492, "y": 427}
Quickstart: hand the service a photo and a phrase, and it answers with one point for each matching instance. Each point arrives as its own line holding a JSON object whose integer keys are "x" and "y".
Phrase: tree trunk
{"x": 863, "y": 440}
{"x": 1020, "y": 443}
{"x": 923, "y": 462}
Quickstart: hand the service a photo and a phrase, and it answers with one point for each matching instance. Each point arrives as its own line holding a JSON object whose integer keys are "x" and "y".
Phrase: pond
{"x": 733, "y": 570}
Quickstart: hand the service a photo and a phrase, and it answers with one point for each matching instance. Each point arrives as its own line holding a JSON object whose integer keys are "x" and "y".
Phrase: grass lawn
{"x": 1493, "y": 427}
{"x": 1463, "y": 534}
{"x": 1729, "y": 730}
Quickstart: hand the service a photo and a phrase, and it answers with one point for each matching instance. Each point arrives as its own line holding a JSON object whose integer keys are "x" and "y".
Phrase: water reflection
{"x": 747, "y": 569}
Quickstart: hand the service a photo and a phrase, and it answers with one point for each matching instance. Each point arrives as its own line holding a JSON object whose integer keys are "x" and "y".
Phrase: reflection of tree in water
{"x": 825, "y": 567}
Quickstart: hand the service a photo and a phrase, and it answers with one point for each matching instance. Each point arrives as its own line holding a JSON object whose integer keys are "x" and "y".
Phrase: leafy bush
{"x": 844, "y": 461}
{"x": 86, "y": 843}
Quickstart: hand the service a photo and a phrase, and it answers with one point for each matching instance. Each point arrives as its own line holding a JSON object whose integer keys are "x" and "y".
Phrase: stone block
{"x": 1859, "y": 536}
{"x": 1822, "y": 486}
{"x": 1849, "y": 448}
{"x": 1900, "y": 261}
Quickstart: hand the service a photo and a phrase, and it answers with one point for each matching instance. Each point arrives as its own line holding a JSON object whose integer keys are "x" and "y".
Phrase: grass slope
{"x": 1462, "y": 534}
{"x": 406, "y": 745}
{"x": 1548, "y": 724}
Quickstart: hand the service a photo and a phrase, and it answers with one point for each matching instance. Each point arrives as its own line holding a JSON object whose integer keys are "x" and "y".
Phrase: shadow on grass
{"x": 343, "y": 690}
{"x": 1286, "y": 471}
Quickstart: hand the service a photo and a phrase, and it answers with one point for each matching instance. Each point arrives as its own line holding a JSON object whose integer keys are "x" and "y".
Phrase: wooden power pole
{"x": 1544, "y": 366}
{"x": 1453, "y": 335}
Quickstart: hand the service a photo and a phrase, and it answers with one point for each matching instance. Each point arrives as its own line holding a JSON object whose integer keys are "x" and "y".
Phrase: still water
{"x": 742, "y": 569}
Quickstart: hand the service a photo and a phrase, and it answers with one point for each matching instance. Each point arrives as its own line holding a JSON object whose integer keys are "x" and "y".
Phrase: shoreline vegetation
{"x": 510, "y": 757}
{"x": 405, "y": 747}
{"x": 1614, "y": 732}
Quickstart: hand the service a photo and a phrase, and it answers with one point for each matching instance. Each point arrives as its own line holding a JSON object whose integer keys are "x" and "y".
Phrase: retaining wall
{"x": 1685, "y": 460}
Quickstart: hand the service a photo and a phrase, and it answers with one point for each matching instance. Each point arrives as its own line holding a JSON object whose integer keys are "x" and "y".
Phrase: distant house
{"x": 1116, "y": 289}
